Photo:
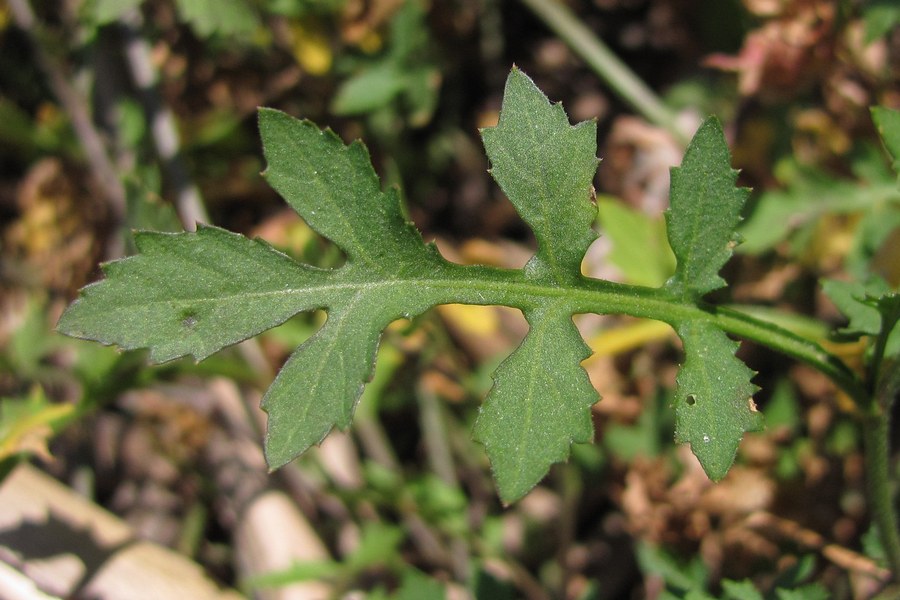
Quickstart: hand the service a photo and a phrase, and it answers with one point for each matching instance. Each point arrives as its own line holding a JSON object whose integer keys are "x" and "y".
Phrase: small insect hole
{"x": 691, "y": 400}
{"x": 189, "y": 320}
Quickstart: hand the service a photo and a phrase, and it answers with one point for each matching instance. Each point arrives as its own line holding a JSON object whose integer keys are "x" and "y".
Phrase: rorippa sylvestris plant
{"x": 195, "y": 293}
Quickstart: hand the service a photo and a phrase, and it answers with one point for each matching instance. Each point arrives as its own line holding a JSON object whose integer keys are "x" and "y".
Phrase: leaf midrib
{"x": 514, "y": 290}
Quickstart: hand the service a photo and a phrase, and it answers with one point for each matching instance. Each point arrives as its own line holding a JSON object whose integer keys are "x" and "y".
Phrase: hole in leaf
{"x": 691, "y": 400}
{"x": 189, "y": 319}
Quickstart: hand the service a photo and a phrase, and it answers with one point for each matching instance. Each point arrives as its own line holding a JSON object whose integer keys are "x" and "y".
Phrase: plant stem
{"x": 775, "y": 337}
{"x": 487, "y": 285}
{"x": 607, "y": 65}
{"x": 482, "y": 285}
{"x": 876, "y": 429}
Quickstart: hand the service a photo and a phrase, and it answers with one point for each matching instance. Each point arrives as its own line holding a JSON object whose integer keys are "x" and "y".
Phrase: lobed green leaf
{"x": 540, "y": 404}
{"x": 541, "y": 399}
{"x": 193, "y": 293}
{"x": 705, "y": 209}
{"x": 714, "y": 398}
{"x": 320, "y": 384}
{"x": 335, "y": 189}
{"x": 545, "y": 166}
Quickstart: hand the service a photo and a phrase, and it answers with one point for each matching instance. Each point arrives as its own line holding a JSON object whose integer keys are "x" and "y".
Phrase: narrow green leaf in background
{"x": 369, "y": 90}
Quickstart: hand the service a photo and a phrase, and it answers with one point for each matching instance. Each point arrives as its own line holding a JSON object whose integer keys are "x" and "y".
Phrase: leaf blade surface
{"x": 319, "y": 386}
{"x": 545, "y": 166}
{"x": 194, "y": 294}
{"x": 705, "y": 209}
{"x": 540, "y": 404}
{"x": 335, "y": 189}
{"x": 713, "y": 399}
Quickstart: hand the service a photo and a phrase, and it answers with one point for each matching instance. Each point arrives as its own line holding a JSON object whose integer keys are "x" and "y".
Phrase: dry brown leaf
{"x": 785, "y": 54}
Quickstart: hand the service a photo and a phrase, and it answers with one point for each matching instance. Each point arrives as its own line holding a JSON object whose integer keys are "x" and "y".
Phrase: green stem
{"x": 629, "y": 87}
{"x": 876, "y": 431}
{"x": 782, "y": 340}
{"x": 485, "y": 285}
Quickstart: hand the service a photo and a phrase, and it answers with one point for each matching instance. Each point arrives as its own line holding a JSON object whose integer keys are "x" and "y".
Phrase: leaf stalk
{"x": 493, "y": 286}
{"x": 876, "y": 440}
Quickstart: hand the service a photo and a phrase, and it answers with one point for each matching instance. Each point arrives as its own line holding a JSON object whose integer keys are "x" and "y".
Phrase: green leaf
{"x": 713, "y": 401}
{"x": 545, "y": 167}
{"x": 323, "y": 379}
{"x": 369, "y": 90}
{"x": 223, "y": 17}
{"x": 541, "y": 399}
{"x": 27, "y": 424}
{"x": 639, "y": 246}
{"x": 704, "y": 213}
{"x": 418, "y": 586}
{"x": 107, "y": 11}
{"x": 879, "y": 17}
{"x": 679, "y": 574}
{"x": 334, "y": 188}
{"x": 872, "y": 309}
{"x": 540, "y": 404}
{"x": 406, "y": 70}
{"x": 193, "y": 293}
{"x": 850, "y": 299}
{"x": 812, "y": 591}
{"x": 887, "y": 122}
{"x": 740, "y": 590}
{"x": 807, "y": 195}
{"x": 336, "y": 191}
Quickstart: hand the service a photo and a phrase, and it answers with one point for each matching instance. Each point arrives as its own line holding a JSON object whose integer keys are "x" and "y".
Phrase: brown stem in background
{"x": 76, "y": 107}
{"x": 161, "y": 119}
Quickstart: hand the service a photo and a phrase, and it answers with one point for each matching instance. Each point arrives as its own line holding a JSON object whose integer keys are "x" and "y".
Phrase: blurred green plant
{"x": 688, "y": 580}
{"x": 400, "y": 83}
{"x": 402, "y": 79}
{"x": 198, "y": 292}
{"x": 378, "y": 550}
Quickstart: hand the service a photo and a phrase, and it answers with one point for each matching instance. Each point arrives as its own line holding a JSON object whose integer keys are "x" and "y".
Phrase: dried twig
{"x": 837, "y": 554}
{"x": 188, "y": 201}
{"x": 76, "y": 107}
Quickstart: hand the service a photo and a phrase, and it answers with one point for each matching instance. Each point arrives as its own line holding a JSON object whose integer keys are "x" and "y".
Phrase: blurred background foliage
{"x": 118, "y": 115}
